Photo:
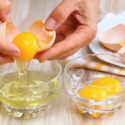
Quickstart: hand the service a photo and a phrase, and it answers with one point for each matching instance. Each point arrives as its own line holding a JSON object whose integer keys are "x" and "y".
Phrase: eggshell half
{"x": 114, "y": 38}
{"x": 8, "y": 31}
{"x": 46, "y": 38}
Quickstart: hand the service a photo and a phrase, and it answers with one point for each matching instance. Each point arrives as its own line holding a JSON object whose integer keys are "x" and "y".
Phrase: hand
{"x": 75, "y": 22}
{"x": 4, "y": 10}
{"x": 7, "y": 49}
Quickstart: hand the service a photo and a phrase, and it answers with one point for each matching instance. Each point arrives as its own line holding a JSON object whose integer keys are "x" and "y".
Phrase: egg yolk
{"x": 101, "y": 89}
{"x": 95, "y": 115}
{"x": 28, "y": 45}
{"x": 112, "y": 85}
{"x": 93, "y": 93}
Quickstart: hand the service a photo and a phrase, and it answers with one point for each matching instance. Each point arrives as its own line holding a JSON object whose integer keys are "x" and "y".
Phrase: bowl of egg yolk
{"x": 96, "y": 94}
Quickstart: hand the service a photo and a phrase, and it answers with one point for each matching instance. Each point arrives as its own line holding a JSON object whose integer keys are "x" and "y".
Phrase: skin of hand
{"x": 75, "y": 22}
{"x": 4, "y": 10}
{"x": 7, "y": 49}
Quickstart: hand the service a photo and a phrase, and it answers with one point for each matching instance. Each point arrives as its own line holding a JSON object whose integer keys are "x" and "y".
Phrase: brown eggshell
{"x": 46, "y": 38}
{"x": 8, "y": 31}
{"x": 114, "y": 38}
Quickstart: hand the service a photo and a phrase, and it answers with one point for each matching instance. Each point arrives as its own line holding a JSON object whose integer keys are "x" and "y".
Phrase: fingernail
{"x": 50, "y": 24}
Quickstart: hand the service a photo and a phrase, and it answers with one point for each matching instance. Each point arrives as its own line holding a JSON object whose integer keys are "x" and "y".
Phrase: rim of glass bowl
{"x": 55, "y": 77}
{"x": 78, "y": 64}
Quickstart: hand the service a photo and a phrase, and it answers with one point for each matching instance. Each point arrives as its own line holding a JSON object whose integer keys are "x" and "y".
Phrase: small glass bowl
{"x": 76, "y": 77}
{"x": 27, "y": 99}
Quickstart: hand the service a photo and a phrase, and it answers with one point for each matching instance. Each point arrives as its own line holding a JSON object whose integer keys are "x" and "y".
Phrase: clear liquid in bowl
{"x": 27, "y": 91}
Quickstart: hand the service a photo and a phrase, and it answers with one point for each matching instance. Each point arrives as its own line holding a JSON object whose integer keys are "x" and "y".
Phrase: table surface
{"x": 64, "y": 111}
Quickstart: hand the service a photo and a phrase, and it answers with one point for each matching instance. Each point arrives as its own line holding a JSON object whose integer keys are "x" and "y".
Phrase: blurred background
{"x": 25, "y": 11}
{"x": 115, "y": 6}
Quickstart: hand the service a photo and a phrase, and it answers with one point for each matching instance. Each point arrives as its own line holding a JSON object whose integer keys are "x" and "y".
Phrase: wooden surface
{"x": 63, "y": 111}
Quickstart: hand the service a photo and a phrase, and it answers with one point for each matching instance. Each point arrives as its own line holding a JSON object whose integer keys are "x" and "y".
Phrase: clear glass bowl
{"x": 27, "y": 99}
{"x": 76, "y": 78}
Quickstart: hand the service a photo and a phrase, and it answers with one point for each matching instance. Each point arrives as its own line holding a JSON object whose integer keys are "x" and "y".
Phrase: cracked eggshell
{"x": 46, "y": 38}
{"x": 114, "y": 38}
{"x": 8, "y": 31}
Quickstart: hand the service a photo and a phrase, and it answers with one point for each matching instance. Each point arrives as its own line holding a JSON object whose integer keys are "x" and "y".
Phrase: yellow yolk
{"x": 101, "y": 89}
{"x": 93, "y": 93}
{"x": 28, "y": 45}
{"x": 112, "y": 85}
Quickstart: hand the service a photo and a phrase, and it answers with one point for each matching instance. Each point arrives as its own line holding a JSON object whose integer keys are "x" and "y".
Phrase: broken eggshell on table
{"x": 114, "y": 40}
{"x": 46, "y": 38}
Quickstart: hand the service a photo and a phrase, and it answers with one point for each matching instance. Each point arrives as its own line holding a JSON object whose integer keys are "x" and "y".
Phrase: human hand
{"x": 7, "y": 49}
{"x": 4, "y": 10}
{"x": 75, "y": 22}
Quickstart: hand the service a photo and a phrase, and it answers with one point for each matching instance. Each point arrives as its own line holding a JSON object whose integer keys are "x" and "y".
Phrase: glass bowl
{"x": 28, "y": 98}
{"x": 77, "y": 78}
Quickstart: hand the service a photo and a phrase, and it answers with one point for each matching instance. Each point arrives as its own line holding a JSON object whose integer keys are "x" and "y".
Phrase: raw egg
{"x": 111, "y": 84}
{"x": 30, "y": 42}
{"x": 28, "y": 45}
{"x": 93, "y": 93}
{"x": 101, "y": 89}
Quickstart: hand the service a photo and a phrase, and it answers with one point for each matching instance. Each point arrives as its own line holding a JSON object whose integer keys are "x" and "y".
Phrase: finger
{"x": 5, "y": 59}
{"x": 5, "y": 5}
{"x": 5, "y": 17}
{"x": 60, "y": 14}
{"x": 81, "y": 37}
{"x": 65, "y": 55}
{"x": 8, "y": 48}
{"x": 5, "y": 10}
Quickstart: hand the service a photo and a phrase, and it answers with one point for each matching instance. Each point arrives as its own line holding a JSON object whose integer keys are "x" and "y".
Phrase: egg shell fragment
{"x": 114, "y": 38}
{"x": 46, "y": 38}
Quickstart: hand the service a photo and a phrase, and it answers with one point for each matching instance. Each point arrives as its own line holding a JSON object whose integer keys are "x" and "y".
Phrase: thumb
{"x": 7, "y": 48}
{"x": 59, "y": 14}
